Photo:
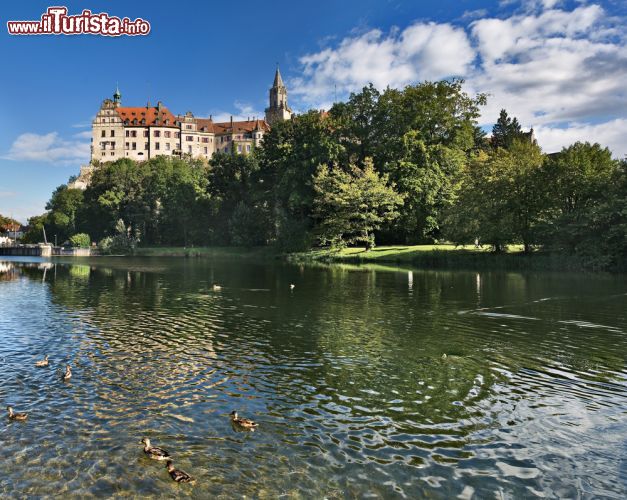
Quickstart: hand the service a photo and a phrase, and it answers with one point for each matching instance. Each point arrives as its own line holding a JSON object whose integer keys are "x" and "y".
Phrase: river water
{"x": 366, "y": 382}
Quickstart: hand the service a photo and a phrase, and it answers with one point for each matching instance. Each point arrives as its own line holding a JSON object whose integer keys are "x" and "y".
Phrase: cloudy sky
{"x": 559, "y": 66}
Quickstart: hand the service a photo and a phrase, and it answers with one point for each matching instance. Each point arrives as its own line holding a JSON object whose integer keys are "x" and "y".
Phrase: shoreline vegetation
{"x": 439, "y": 256}
{"x": 381, "y": 171}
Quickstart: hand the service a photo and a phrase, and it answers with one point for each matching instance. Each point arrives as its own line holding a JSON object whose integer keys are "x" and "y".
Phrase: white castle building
{"x": 143, "y": 132}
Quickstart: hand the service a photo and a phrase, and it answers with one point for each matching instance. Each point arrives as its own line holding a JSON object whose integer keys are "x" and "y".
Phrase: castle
{"x": 144, "y": 132}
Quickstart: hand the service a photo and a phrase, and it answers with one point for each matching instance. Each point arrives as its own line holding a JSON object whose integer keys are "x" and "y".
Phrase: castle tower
{"x": 278, "y": 110}
{"x": 117, "y": 97}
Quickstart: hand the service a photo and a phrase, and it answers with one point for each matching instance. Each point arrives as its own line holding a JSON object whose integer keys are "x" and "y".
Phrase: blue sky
{"x": 560, "y": 66}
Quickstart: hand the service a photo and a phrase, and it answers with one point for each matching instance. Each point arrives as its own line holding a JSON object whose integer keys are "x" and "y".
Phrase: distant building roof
{"x": 241, "y": 126}
{"x": 154, "y": 116}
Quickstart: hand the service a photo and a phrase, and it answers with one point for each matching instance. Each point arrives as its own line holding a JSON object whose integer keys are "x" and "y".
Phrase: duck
{"x": 16, "y": 416}
{"x": 292, "y": 286}
{"x": 154, "y": 452}
{"x": 42, "y": 362}
{"x": 216, "y": 288}
{"x": 180, "y": 476}
{"x": 68, "y": 373}
{"x": 243, "y": 422}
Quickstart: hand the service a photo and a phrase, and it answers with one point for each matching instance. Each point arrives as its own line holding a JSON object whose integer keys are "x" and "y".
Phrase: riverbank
{"x": 451, "y": 257}
{"x": 210, "y": 252}
{"x": 420, "y": 256}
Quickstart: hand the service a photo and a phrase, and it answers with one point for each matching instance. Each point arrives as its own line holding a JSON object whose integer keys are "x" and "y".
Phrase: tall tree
{"x": 505, "y": 131}
{"x": 351, "y": 205}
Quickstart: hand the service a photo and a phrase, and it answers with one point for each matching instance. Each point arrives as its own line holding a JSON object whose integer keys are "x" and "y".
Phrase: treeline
{"x": 400, "y": 166}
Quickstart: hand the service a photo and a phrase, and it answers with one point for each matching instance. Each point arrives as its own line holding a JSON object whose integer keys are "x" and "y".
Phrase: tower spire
{"x": 278, "y": 110}
{"x": 278, "y": 81}
{"x": 117, "y": 97}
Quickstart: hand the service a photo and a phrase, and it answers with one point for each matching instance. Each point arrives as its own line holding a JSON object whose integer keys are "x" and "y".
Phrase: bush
{"x": 121, "y": 243}
{"x": 247, "y": 227}
{"x": 80, "y": 240}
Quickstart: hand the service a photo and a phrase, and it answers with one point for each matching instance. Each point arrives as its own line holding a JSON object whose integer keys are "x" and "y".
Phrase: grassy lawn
{"x": 408, "y": 252}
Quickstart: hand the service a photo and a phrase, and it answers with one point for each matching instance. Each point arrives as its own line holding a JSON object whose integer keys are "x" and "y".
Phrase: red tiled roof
{"x": 243, "y": 126}
{"x": 227, "y": 127}
{"x": 150, "y": 114}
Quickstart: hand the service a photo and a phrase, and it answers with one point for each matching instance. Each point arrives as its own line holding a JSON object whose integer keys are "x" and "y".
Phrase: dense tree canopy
{"x": 400, "y": 165}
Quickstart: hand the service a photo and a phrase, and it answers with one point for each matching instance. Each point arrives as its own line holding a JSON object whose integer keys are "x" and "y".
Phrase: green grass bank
{"x": 420, "y": 256}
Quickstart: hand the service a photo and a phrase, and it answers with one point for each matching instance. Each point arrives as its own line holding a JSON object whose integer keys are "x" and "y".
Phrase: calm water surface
{"x": 345, "y": 375}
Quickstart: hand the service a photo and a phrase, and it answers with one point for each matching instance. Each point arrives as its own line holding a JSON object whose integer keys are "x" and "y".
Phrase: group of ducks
{"x": 153, "y": 452}
{"x": 40, "y": 364}
{"x": 178, "y": 475}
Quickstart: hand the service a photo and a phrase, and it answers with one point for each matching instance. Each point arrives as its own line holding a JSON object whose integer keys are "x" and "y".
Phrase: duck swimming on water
{"x": 177, "y": 475}
{"x": 216, "y": 288}
{"x": 68, "y": 373}
{"x": 16, "y": 416}
{"x": 243, "y": 422}
{"x": 154, "y": 452}
{"x": 42, "y": 362}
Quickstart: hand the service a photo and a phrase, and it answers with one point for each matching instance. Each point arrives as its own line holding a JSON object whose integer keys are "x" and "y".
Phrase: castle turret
{"x": 117, "y": 97}
{"x": 278, "y": 110}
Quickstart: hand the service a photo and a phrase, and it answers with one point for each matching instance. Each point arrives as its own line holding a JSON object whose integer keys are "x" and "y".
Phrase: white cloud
{"x": 48, "y": 148}
{"x": 553, "y": 68}
{"x": 244, "y": 111}
{"x": 610, "y": 134}
{"x": 421, "y": 51}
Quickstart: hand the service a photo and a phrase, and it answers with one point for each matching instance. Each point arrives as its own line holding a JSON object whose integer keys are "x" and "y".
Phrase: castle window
{"x": 205, "y": 139}
{"x": 126, "y": 146}
{"x": 146, "y": 146}
{"x": 133, "y": 133}
{"x": 134, "y": 146}
{"x": 248, "y": 148}
{"x": 157, "y": 133}
{"x": 189, "y": 138}
{"x": 188, "y": 127}
{"x": 145, "y": 133}
{"x": 157, "y": 146}
{"x": 177, "y": 135}
{"x": 103, "y": 133}
{"x": 167, "y": 146}
{"x": 126, "y": 122}
{"x": 167, "y": 122}
{"x": 166, "y": 134}
{"x": 128, "y": 133}
{"x": 189, "y": 149}
{"x": 113, "y": 133}
{"x": 135, "y": 121}
{"x": 205, "y": 150}
{"x": 239, "y": 148}
{"x": 143, "y": 121}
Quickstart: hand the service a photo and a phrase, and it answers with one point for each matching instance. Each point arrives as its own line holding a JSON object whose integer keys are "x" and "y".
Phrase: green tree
{"x": 64, "y": 208}
{"x": 503, "y": 198}
{"x": 291, "y": 154}
{"x": 505, "y": 131}
{"x": 80, "y": 240}
{"x": 35, "y": 231}
{"x": 585, "y": 181}
{"x": 351, "y": 205}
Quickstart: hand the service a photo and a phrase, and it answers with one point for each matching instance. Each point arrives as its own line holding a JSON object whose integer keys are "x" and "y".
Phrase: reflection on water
{"x": 365, "y": 382}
